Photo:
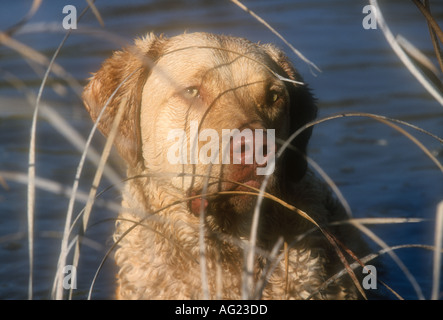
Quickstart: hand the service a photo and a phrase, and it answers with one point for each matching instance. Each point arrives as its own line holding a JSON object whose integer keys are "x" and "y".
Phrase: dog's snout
{"x": 242, "y": 148}
{"x": 252, "y": 147}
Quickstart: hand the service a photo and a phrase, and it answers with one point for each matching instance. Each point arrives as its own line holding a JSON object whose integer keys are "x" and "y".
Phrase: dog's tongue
{"x": 196, "y": 205}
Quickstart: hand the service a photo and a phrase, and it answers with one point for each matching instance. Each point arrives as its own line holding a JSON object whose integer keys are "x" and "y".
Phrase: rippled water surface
{"x": 380, "y": 172}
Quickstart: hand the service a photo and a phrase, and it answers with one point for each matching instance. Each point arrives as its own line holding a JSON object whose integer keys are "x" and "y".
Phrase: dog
{"x": 202, "y": 219}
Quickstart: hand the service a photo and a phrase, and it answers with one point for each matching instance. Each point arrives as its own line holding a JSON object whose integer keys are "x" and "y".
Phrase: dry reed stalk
{"x": 437, "y": 266}
{"x": 403, "y": 56}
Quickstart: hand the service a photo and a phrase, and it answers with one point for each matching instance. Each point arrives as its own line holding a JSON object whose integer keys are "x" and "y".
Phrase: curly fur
{"x": 158, "y": 230}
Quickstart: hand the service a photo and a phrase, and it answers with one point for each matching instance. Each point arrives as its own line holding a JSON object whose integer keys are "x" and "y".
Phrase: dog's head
{"x": 201, "y": 105}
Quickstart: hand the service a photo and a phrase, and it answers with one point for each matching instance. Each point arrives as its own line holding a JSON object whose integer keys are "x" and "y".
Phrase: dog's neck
{"x": 164, "y": 203}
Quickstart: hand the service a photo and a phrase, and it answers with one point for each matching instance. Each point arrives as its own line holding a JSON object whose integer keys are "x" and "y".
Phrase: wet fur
{"x": 160, "y": 257}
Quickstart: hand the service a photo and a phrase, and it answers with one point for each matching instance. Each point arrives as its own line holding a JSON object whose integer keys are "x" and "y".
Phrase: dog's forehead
{"x": 212, "y": 43}
{"x": 189, "y": 55}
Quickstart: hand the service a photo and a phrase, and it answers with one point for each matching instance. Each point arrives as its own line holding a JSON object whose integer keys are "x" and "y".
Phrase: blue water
{"x": 379, "y": 171}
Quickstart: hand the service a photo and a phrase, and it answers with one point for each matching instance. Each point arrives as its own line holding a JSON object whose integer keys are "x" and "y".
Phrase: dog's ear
{"x": 119, "y": 84}
{"x": 302, "y": 110}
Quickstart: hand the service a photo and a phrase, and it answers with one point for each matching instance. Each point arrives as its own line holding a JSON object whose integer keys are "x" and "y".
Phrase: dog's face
{"x": 210, "y": 109}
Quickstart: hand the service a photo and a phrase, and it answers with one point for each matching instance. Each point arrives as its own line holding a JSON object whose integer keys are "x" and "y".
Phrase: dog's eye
{"x": 192, "y": 92}
{"x": 273, "y": 96}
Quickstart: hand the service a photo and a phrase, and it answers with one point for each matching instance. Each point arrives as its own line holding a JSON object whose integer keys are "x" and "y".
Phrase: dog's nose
{"x": 251, "y": 147}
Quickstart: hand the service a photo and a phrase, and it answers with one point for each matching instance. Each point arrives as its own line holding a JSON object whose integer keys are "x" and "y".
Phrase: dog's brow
{"x": 278, "y": 76}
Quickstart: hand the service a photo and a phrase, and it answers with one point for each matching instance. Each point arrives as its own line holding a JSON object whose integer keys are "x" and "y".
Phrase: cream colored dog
{"x": 184, "y": 231}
